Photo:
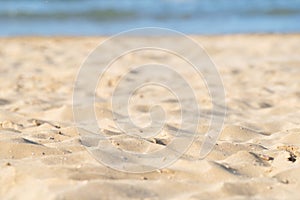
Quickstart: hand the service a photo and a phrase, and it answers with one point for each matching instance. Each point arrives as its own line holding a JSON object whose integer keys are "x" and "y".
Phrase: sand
{"x": 257, "y": 155}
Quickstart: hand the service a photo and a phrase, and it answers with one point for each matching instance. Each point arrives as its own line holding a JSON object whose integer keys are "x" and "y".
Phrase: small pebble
{"x": 266, "y": 157}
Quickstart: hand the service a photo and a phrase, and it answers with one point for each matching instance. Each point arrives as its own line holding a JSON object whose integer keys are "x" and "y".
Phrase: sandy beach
{"x": 257, "y": 155}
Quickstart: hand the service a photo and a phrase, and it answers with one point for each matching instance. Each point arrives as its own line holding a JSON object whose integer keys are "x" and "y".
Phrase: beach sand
{"x": 257, "y": 154}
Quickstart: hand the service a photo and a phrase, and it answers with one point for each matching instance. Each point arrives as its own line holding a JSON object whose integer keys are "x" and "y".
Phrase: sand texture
{"x": 257, "y": 155}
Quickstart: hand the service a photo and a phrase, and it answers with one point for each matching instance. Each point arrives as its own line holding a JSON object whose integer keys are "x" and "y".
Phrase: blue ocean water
{"x": 103, "y": 17}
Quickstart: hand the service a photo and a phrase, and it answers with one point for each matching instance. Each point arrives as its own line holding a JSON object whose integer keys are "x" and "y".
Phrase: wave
{"x": 108, "y": 14}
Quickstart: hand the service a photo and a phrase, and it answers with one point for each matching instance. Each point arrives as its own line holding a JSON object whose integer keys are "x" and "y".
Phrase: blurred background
{"x": 104, "y": 17}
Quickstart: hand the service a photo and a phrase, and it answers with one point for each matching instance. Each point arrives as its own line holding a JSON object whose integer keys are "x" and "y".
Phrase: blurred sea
{"x": 102, "y": 17}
